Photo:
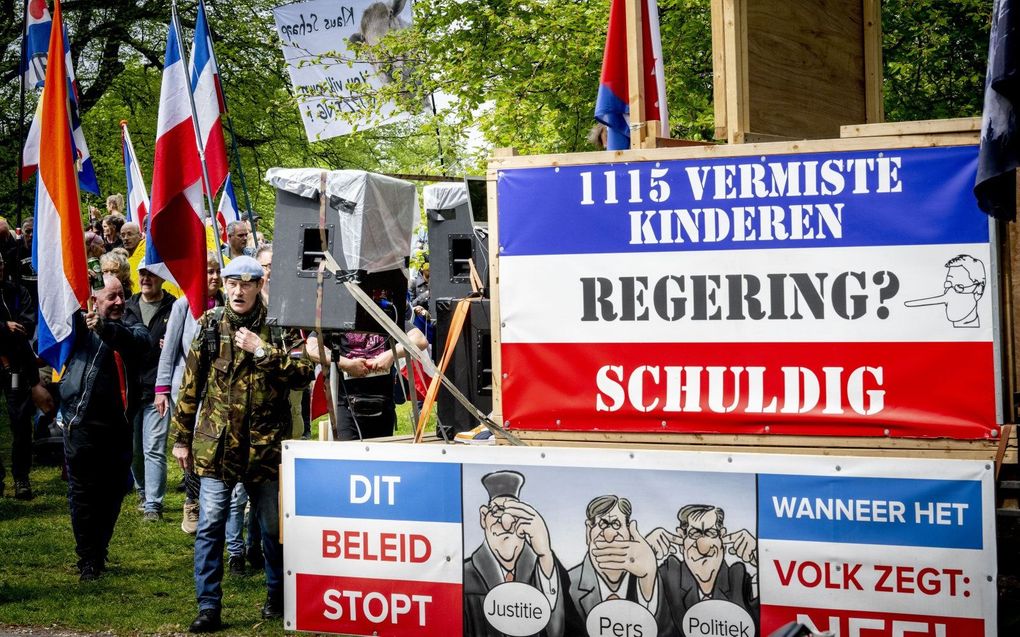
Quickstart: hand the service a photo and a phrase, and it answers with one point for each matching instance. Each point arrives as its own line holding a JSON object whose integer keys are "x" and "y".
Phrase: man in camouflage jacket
{"x": 236, "y": 436}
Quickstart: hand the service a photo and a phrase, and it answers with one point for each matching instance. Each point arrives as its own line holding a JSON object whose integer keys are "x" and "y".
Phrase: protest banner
{"x": 390, "y": 539}
{"x": 328, "y": 77}
{"x": 829, "y": 293}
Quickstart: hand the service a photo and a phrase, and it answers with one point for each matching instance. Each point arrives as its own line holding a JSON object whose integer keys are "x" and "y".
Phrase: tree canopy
{"x": 519, "y": 73}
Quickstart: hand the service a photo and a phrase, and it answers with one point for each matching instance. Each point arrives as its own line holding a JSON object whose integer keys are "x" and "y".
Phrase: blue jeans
{"x": 238, "y": 524}
{"x": 149, "y": 460}
{"x": 235, "y": 521}
{"x": 214, "y": 507}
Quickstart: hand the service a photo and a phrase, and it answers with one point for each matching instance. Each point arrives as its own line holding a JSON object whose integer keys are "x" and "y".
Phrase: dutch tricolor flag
{"x": 33, "y": 67}
{"x": 58, "y": 248}
{"x": 138, "y": 196}
{"x": 176, "y": 233}
{"x": 228, "y": 210}
{"x": 612, "y": 105}
{"x": 205, "y": 84}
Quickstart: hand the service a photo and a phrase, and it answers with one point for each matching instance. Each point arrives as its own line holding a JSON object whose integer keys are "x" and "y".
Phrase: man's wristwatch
{"x": 260, "y": 352}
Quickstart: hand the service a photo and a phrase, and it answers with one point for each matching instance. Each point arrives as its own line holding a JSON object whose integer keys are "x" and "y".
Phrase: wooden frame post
{"x": 636, "y": 74}
{"x": 872, "y": 19}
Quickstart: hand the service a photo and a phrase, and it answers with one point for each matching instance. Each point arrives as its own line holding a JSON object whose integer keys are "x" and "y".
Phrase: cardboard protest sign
{"x": 328, "y": 76}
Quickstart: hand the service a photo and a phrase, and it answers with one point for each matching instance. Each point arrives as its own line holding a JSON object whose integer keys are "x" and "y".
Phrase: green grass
{"x": 149, "y": 588}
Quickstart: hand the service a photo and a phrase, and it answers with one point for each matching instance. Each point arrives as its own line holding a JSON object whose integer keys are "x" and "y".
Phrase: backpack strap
{"x": 210, "y": 336}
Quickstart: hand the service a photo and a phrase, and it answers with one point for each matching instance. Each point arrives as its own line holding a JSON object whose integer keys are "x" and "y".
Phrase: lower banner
{"x": 395, "y": 540}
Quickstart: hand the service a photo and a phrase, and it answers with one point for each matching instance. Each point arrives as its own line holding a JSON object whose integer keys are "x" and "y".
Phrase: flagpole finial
{"x": 123, "y": 123}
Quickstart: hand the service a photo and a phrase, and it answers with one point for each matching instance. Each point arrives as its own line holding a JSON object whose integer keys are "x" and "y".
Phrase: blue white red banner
{"x": 390, "y": 539}
{"x": 799, "y": 294}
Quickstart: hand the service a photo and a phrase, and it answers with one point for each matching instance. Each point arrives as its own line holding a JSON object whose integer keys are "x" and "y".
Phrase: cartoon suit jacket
{"x": 585, "y": 595}
{"x": 482, "y": 573}
{"x": 732, "y": 584}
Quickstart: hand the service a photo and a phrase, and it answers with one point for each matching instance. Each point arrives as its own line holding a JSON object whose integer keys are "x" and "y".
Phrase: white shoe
{"x": 189, "y": 523}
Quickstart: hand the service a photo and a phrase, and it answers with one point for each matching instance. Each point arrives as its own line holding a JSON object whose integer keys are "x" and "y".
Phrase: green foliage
{"x": 525, "y": 72}
{"x": 934, "y": 56}
{"x": 521, "y": 73}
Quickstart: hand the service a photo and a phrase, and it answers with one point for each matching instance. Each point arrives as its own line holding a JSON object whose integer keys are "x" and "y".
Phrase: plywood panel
{"x": 806, "y": 67}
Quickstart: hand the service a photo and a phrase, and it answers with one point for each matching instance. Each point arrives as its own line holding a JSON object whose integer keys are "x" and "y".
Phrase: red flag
{"x": 175, "y": 245}
{"x": 612, "y": 105}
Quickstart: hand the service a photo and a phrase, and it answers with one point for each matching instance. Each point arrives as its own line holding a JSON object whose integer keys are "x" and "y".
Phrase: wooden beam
{"x": 719, "y": 69}
{"x": 920, "y": 127}
{"x": 737, "y": 108}
{"x": 714, "y": 151}
{"x": 635, "y": 75}
{"x": 669, "y": 142}
{"x": 813, "y": 445}
{"x": 874, "y": 108}
{"x": 495, "y": 333}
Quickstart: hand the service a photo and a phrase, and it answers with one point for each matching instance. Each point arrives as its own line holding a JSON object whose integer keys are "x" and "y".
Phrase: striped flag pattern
{"x": 205, "y": 84}
{"x": 228, "y": 210}
{"x": 138, "y": 196}
{"x": 34, "y": 69}
{"x": 58, "y": 248}
{"x": 176, "y": 233}
{"x": 612, "y": 104}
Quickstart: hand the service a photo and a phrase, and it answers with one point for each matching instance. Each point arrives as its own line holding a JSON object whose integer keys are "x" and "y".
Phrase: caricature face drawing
{"x": 961, "y": 295}
{"x": 703, "y": 546}
{"x": 610, "y": 526}
{"x": 501, "y": 531}
{"x": 962, "y": 289}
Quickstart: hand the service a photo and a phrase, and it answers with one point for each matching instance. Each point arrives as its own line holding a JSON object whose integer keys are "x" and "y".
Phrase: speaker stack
{"x": 458, "y": 235}
{"x": 367, "y": 231}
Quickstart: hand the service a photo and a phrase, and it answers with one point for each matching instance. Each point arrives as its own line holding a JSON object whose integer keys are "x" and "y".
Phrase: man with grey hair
{"x": 130, "y": 236}
{"x": 98, "y": 399}
{"x": 150, "y": 307}
{"x": 237, "y": 241}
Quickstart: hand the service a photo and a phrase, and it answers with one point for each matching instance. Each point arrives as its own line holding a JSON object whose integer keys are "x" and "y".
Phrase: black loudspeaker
{"x": 297, "y": 251}
{"x": 457, "y": 235}
{"x": 470, "y": 367}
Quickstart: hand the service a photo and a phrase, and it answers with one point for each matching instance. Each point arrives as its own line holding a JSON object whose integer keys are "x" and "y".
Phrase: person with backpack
{"x": 181, "y": 331}
{"x": 242, "y": 379}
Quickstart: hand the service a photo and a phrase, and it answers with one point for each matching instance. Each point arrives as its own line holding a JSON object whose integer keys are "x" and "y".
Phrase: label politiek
{"x": 717, "y": 389}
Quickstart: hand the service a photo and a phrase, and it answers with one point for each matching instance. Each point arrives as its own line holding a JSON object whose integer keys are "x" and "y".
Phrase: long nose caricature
{"x": 963, "y": 288}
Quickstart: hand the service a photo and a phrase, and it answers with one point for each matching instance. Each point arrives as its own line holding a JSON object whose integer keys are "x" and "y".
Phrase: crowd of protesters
{"x": 143, "y": 374}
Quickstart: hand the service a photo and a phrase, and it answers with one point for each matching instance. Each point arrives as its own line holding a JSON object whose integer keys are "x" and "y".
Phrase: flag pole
{"x": 198, "y": 135}
{"x": 230, "y": 129}
{"x": 21, "y": 140}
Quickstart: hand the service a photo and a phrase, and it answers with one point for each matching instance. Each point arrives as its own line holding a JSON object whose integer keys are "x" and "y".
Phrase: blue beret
{"x": 244, "y": 268}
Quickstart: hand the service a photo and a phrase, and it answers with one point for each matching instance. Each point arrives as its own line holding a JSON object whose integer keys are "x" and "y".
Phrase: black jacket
{"x": 16, "y": 304}
{"x": 90, "y": 384}
{"x": 157, "y": 329}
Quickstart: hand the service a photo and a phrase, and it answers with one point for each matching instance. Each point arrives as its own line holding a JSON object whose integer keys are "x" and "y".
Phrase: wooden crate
{"x": 795, "y": 70}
